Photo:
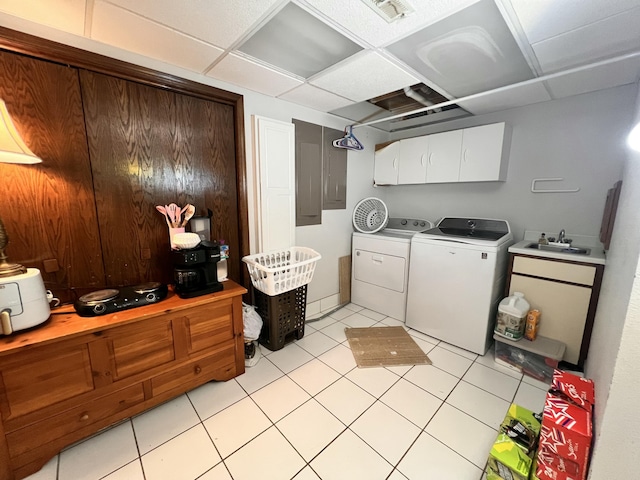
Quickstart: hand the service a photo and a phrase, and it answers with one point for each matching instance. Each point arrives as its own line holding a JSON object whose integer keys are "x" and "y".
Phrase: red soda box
{"x": 558, "y": 468}
{"x": 578, "y": 390}
{"x": 566, "y": 430}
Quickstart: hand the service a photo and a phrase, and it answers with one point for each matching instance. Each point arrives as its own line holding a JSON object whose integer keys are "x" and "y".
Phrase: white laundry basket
{"x": 278, "y": 272}
{"x": 370, "y": 215}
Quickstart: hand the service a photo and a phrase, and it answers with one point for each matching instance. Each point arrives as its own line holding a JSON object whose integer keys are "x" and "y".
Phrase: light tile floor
{"x": 306, "y": 412}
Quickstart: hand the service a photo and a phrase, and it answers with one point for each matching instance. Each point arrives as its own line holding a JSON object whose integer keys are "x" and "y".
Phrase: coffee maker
{"x": 195, "y": 270}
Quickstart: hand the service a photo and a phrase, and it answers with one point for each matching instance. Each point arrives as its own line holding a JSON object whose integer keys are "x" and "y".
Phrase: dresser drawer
{"x": 219, "y": 365}
{"x": 32, "y": 436}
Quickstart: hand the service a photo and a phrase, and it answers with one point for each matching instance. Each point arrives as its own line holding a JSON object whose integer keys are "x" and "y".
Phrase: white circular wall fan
{"x": 370, "y": 215}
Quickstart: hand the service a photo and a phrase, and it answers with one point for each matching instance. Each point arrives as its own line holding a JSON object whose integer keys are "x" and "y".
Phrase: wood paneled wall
{"x": 113, "y": 146}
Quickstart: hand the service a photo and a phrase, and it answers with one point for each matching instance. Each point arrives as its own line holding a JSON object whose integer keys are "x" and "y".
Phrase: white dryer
{"x": 380, "y": 266}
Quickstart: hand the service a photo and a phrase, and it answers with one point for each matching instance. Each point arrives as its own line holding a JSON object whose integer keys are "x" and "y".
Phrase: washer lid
{"x": 471, "y": 228}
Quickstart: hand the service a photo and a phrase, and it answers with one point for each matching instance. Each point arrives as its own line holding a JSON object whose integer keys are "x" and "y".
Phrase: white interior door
{"x": 274, "y": 147}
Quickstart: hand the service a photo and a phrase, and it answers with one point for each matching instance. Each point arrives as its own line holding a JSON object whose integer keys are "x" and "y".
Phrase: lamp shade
{"x": 12, "y": 147}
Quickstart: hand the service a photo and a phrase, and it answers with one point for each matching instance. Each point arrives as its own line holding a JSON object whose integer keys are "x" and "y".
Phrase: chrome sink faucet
{"x": 561, "y": 236}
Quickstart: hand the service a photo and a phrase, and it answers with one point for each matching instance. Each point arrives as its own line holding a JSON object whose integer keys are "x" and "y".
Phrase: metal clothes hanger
{"x": 349, "y": 141}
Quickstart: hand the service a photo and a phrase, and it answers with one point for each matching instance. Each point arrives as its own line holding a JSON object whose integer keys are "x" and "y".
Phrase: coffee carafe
{"x": 196, "y": 270}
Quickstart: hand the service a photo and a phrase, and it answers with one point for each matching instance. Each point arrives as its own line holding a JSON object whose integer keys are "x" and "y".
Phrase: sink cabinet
{"x": 74, "y": 376}
{"x": 566, "y": 293}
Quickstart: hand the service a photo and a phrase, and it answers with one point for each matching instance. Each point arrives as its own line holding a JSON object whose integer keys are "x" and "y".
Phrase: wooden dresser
{"x": 73, "y": 376}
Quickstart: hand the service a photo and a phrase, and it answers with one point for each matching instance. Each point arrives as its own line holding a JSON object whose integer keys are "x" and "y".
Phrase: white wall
{"x": 577, "y": 138}
{"x": 614, "y": 354}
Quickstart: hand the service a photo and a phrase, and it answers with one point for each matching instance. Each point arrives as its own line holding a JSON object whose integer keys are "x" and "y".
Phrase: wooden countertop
{"x": 65, "y": 322}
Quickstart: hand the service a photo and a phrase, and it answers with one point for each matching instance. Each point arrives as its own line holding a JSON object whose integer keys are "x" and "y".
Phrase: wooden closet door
{"x": 152, "y": 147}
{"x": 48, "y": 209}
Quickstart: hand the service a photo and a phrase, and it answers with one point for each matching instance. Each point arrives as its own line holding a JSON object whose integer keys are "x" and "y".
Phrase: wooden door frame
{"x": 36, "y": 47}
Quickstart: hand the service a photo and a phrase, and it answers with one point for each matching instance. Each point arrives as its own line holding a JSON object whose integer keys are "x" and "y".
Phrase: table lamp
{"x": 23, "y": 298}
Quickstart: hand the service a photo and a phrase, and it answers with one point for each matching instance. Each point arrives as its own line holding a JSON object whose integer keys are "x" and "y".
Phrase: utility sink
{"x": 561, "y": 248}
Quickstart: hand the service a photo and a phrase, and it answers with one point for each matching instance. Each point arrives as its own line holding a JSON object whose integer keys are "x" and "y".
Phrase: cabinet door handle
{"x": 84, "y": 417}
{"x": 430, "y": 156}
{"x": 464, "y": 155}
{"x": 197, "y": 369}
{"x": 395, "y": 163}
{"x": 377, "y": 259}
{"x": 422, "y": 160}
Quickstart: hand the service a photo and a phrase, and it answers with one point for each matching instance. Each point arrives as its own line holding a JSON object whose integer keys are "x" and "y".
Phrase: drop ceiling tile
{"x": 471, "y": 51}
{"x": 361, "y": 112}
{"x": 363, "y": 76}
{"x": 66, "y": 15}
{"x": 123, "y": 29}
{"x": 515, "y": 97}
{"x": 218, "y": 23}
{"x": 315, "y": 98}
{"x": 542, "y": 19}
{"x": 366, "y": 24}
{"x": 316, "y": 45}
{"x": 618, "y": 73}
{"x": 606, "y": 38}
{"x": 248, "y": 74}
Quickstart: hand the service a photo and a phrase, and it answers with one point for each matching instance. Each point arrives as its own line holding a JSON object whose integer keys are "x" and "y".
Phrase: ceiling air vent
{"x": 390, "y": 10}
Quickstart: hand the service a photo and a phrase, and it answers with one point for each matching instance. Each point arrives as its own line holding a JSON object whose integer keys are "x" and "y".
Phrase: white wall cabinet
{"x": 386, "y": 165}
{"x": 481, "y": 159}
{"x": 443, "y": 161}
{"x": 475, "y": 154}
{"x": 412, "y": 164}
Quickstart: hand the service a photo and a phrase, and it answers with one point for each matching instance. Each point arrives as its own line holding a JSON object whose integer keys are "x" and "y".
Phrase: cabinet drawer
{"x": 37, "y": 379}
{"x": 220, "y": 365}
{"x": 31, "y": 437}
{"x": 566, "y": 272}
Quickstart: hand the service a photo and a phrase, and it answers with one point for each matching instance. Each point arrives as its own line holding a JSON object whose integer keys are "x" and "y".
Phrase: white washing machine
{"x": 456, "y": 280}
{"x": 380, "y": 266}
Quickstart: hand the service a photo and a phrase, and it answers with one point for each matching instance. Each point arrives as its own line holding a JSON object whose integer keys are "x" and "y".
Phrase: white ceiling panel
{"x": 363, "y": 22}
{"x": 611, "y": 75}
{"x": 317, "y": 45}
{"x": 468, "y": 52}
{"x": 361, "y": 112}
{"x": 315, "y": 98}
{"x": 216, "y": 22}
{"x": 123, "y": 29}
{"x": 542, "y": 19}
{"x": 248, "y": 74}
{"x": 515, "y": 97}
{"x": 364, "y": 76}
{"x": 66, "y": 15}
{"x": 617, "y": 34}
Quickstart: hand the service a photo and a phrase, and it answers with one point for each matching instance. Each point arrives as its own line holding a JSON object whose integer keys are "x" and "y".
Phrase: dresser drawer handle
{"x": 197, "y": 369}
{"x": 84, "y": 417}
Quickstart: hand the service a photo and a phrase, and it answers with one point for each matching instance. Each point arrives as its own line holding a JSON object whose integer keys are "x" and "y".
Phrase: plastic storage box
{"x": 537, "y": 359}
{"x": 282, "y": 315}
